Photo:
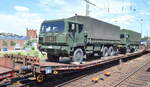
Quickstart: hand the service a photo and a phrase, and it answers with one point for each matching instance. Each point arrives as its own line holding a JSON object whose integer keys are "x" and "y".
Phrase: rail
{"x": 129, "y": 75}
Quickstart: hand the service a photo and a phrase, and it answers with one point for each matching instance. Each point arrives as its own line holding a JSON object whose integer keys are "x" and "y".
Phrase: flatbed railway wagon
{"x": 5, "y": 73}
{"x": 6, "y": 70}
{"x": 78, "y": 37}
{"x": 29, "y": 68}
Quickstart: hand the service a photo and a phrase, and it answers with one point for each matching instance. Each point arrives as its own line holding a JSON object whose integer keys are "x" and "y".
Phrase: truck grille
{"x": 50, "y": 39}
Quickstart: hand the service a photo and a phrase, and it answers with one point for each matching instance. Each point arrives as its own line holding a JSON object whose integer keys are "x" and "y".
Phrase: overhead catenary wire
{"x": 88, "y": 3}
{"x": 132, "y": 8}
{"x": 108, "y": 5}
{"x": 146, "y": 5}
{"x": 122, "y": 6}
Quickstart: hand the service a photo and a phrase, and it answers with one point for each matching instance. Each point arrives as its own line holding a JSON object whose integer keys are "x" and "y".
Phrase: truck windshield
{"x": 55, "y": 26}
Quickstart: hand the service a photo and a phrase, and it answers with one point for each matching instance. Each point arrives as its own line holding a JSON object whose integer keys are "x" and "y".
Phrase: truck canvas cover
{"x": 133, "y": 36}
{"x": 97, "y": 29}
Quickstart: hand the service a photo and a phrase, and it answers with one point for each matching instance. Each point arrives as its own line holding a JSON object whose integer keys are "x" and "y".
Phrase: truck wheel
{"x": 132, "y": 50}
{"x": 116, "y": 52}
{"x": 123, "y": 50}
{"x": 111, "y": 51}
{"x": 52, "y": 58}
{"x": 105, "y": 52}
{"x": 78, "y": 56}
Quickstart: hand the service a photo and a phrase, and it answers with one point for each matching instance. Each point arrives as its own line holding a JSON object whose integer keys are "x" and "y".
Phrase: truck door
{"x": 76, "y": 33}
{"x": 72, "y": 31}
{"x": 80, "y": 34}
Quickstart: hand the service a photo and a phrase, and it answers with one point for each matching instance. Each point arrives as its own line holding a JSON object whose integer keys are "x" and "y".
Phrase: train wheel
{"x": 111, "y": 51}
{"x": 40, "y": 78}
{"x": 78, "y": 56}
{"x": 105, "y": 52}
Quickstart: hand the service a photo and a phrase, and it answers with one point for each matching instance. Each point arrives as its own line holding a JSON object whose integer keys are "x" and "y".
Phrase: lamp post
{"x": 141, "y": 26}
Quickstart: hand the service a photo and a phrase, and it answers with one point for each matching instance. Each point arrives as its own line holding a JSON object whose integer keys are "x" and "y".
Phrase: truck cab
{"x": 60, "y": 38}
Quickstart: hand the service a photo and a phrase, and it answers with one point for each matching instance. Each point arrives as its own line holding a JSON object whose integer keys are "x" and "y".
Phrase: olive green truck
{"x": 79, "y": 37}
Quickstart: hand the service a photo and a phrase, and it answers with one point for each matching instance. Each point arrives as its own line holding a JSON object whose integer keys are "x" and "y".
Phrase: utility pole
{"x": 141, "y": 27}
{"x": 88, "y": 6}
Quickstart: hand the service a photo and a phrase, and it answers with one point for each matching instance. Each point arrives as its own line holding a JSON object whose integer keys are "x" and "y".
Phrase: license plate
{"x": 48, "y": 70}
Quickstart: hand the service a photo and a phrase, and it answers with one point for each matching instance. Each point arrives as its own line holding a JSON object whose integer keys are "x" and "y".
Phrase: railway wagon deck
{"x": 43, "y": 66}
{"x": 38, "y": 67}
{"x": 50, "y": 67}
{"x": 5, "y": 73}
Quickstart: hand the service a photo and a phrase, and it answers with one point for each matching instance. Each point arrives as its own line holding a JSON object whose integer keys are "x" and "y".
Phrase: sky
{"x": 18, "y": 15}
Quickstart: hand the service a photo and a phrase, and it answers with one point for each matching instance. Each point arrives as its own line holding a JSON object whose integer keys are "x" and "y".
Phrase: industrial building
{"x": 31, "y": 34}
{"x": 9, "y": 41}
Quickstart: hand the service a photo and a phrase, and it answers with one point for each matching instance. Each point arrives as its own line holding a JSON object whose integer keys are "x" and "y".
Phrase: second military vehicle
{"x": 130, "y": 39}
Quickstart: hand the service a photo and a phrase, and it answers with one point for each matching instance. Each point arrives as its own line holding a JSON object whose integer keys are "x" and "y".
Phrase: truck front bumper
{"x": 55, "y": 50}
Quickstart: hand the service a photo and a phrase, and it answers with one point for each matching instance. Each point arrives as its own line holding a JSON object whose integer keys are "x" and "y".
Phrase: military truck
{"x": 130, "y": 39}
{"x": 78, "y": 37}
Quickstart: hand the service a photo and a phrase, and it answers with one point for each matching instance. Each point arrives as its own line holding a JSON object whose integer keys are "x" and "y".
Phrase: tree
{"x": 12, "y": 43}
{"x": 29, "y": 43}
{"x": 5, "y": 43}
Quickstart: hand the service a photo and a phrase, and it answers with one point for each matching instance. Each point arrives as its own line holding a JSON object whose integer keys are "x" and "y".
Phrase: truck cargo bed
{"x": 97, "y": 29}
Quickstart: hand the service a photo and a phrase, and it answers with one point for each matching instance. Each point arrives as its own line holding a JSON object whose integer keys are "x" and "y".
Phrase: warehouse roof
{"x": 10, "y": 36}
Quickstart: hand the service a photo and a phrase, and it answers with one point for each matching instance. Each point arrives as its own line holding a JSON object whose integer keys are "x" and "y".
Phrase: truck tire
{"x": 111, "y": 51}
{"x": 78, "y": 56}
{"x": 52, "y": 58}
{"x": 105, "y": 52}
{"x": 123, "y": 50}
{"x": 132, "y": 50}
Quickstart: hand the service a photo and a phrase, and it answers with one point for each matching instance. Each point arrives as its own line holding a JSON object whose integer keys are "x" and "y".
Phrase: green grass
{"x": 34, "y": 53}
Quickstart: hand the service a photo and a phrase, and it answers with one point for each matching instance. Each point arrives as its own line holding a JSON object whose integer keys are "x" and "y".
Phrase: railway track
{"x": 83, "y": 83}
{"x": 86, "y": 81}
{"x": 138, "y": 78}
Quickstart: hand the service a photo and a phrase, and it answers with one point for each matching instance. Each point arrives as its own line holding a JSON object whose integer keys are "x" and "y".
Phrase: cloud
{"x": 145, "y": 13}
{"x": 100, "y": 11}
{"x": 112, "y": 6}
{"x": 58, "y": 2}
{"x": 51, "y": 3}
{"x": 62, "y": 8}
{"x": 65, "y": 8}
{"x": 148, "y": 2}
{"x": 18, "y": 22}
{"x": 21, "y": 8}
{"x": 126, "y": 19}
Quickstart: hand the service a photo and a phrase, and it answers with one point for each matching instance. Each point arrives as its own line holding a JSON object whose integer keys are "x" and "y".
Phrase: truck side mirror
{"x": 85, "y": 34}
